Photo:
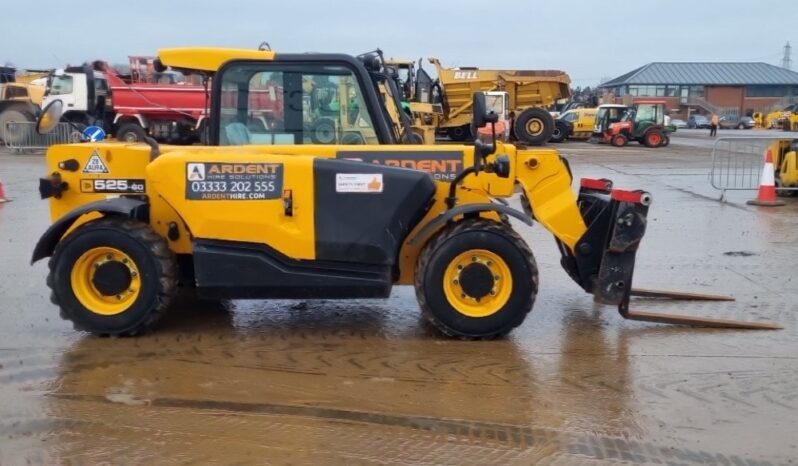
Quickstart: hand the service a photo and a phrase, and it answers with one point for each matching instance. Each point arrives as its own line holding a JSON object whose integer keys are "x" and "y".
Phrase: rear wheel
{"x": 619, "y": 140}
{"x": 476, "y": 279}
{"x": 324, "y": 131}
{"x": 113, "y": 276}
{"x": 653, "y": 138}
{"x": 15, "y": 134}
{"x": 534, "y": 126}
{"x": 130, "y": 133}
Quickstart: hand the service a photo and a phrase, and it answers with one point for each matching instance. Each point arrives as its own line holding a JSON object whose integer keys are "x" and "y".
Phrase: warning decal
{"x": 95, "y": 164}
{"x": 358, "y": 182}
{"x": 233, "y": 181}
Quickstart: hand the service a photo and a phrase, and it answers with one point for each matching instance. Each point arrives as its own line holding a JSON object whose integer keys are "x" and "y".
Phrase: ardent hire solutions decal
{"x": 233, "y": 181}
{"x": 442, "y": 165}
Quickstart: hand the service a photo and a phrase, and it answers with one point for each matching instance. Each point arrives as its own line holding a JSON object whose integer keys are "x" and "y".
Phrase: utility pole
{"x": 786, "y": 61}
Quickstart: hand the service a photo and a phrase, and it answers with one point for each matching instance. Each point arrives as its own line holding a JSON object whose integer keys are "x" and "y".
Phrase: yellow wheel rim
{"x": 86, "y": 270}
{"x": 534, "y": 126}
{"x": 457, "y": 289}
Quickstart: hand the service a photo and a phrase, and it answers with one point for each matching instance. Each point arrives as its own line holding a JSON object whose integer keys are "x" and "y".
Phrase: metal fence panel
{"x": 737, "y": 163}
{"x": 22, "y": 136}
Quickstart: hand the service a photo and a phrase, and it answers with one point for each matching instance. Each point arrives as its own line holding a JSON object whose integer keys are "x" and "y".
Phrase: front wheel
{"x": 459, "y": 133}
{"x": 113, "y": 276}
{"x": 476, "y": 279}
{"x": 560, "y": 132}
{"x": 619, "y": 140}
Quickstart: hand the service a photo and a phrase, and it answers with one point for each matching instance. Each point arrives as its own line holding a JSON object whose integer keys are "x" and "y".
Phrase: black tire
{"x": 324, "y": 131}
{"x": 412, "y": 138}
{"x": 156, "y": 264}
{"x": 560, "y": 132}
{"x": 534, "y": 126}
{"x": 653, "y": 138}
{"x": 459, "y": 133}
{"x": 352, "y": 138}
{"x": 16, "y": 135}
{"x": 130, "y": 133}
{"x": 458, "y": 239}
{"x": 619, "y": 140}
{"x": 666, "y": 140}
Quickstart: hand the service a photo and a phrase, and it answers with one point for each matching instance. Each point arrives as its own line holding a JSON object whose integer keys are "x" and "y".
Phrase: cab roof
{"x": 208, "y": 58}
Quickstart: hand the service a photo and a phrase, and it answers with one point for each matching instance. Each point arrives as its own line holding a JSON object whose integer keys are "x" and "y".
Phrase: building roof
{"x": 712, "y": 74}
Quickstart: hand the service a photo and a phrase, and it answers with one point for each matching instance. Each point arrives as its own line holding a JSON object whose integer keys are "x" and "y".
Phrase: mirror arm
{"x": 451, "y": 200}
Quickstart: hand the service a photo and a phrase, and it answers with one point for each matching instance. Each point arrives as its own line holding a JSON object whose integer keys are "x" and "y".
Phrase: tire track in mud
{"x": 493, "y": 435}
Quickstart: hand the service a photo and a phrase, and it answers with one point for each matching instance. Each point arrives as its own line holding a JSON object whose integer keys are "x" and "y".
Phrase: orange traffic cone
{"x": 767, "y": 186}
{"x": 3, "y": 194}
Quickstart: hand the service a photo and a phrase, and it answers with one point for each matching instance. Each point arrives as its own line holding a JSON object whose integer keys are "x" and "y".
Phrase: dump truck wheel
{"x": 15, "y": 135}
{"x": 559, "y": 133}
{"x": 459, "y": 133}
{"x": 323, "y": 131}
{"x": 534, "y": 126}
{"x": 619, "y": 140}
{"x": 130, "y": 133}
{"x": 653, "y": 138}
{"x": 352, "y": 138}
{"x": 476, "y": 279}
{"x": 113, "y": 276}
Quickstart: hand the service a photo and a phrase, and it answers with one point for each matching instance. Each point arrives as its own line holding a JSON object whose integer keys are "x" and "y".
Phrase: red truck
{"x": 164, "y": 105}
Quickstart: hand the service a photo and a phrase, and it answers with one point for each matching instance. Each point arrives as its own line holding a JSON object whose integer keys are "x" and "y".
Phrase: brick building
{"x": 723, "y": 88}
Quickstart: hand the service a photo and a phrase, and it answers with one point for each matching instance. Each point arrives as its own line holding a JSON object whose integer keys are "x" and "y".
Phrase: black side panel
{"x": 225, "y": 269}
{"x": 367, "y": 227}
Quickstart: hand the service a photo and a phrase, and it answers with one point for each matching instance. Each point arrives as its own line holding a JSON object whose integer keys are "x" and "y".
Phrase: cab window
{"x": 292, "y": 104}
{"x": 61, "y": 85}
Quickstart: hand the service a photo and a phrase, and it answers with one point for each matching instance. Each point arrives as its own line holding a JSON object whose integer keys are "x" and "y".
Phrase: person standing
{"x": 713, "y": 125}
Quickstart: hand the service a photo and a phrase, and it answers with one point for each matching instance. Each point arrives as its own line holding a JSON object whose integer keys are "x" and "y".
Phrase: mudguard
{"x": 133, "y": 208}
{"x": 427, "y": 230}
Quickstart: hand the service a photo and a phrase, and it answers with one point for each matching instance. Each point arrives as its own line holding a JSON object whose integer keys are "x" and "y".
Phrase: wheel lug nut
{"x": 124, "y": 261}
{"x": 96, "y": 265}
{"x": 459, "y": 267}
{"x": 493, "y": 292}
{"x": 462, "y": 295}
{"x": 495, "y": 277}
{"x": 456, "y": 281}
{"x": 473, "y": 258}
{"x": 109, "y": 256}
{"x": 133, "y": 273}
{"x": 119, "y": 297}
{"x": 489, "y": 263}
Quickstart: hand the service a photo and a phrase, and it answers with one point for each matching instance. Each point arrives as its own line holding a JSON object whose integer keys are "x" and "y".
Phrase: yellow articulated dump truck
{"x": 528, "y": 93}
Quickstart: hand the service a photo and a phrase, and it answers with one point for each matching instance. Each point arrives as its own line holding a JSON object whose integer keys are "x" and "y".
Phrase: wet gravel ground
{"x": 367, "y": 382}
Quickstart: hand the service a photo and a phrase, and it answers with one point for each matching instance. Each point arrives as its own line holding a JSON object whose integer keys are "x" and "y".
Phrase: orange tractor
{"x": 643, "y": 122}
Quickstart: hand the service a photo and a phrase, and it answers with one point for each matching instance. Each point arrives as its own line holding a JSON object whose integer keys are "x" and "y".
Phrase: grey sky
{"x": 588, "y": 39}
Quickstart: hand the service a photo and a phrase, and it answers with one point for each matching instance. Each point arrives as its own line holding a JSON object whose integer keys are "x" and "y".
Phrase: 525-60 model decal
{"x": 115, "y": 186}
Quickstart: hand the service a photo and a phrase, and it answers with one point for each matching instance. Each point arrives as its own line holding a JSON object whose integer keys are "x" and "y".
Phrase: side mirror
{"x": 50, "y": 117}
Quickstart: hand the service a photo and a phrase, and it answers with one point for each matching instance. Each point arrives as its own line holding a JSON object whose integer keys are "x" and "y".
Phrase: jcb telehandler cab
{"x": 270, "y": 214}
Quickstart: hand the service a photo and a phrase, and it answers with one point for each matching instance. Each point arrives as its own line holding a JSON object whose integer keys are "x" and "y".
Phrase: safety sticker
{"x": 233, "y": 181}
{"x": 358, "y": 182}
{"x": 95, "y": 164}
{"x": 118, "y": 186}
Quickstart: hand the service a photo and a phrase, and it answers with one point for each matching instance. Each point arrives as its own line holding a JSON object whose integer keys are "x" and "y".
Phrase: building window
{"x": 696, "y": 91}
{"x": 672, "y": 91}
{"x": 771, "y": 91}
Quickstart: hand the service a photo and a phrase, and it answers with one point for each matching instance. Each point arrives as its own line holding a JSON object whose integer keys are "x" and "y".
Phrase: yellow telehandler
{"x": 266, "y": 212}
